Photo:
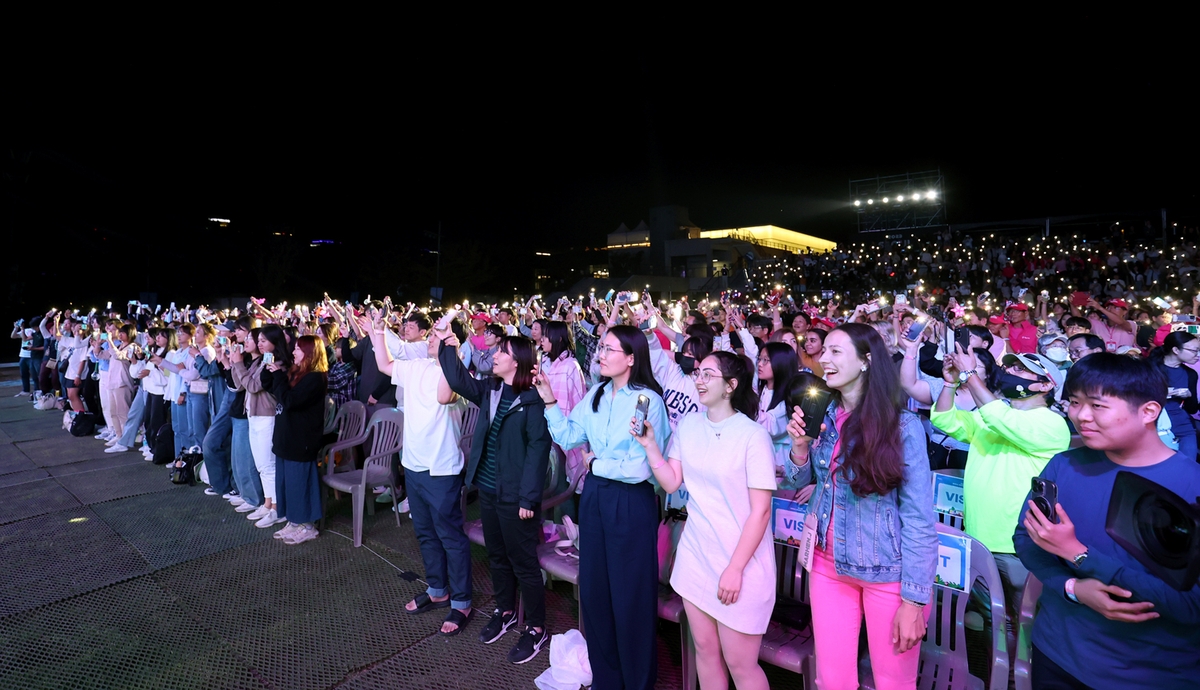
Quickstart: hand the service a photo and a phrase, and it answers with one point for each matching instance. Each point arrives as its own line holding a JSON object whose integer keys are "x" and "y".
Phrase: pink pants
{"x": 838, "y": 605}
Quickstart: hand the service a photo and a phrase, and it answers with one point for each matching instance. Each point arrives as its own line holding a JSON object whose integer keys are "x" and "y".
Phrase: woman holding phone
{"x": 725, "y": 563}
{"x": 618, "y": 511}
{"x": 871, "y": 514}
{"x": 261, "y": 408}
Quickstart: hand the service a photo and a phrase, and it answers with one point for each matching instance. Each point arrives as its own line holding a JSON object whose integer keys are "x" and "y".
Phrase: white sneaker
{"x": 302, "y": 534}
{"x": 112, "y": 441}
{"x": 116, "y": 448}
{"x": 287, "y": 531}
{"x": 210, "y": 491}
{"x": 234, "y": 500}
{"x": 245, "y": 508}
{"x": 259, "y": 513}
{"x": 102, "y": 436}
{"x": 402, "y": 508}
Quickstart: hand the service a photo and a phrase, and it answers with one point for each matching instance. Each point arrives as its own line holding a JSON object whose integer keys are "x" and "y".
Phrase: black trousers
{"x": 1047, "y": 675}
{"x": 618, "y": 582}
{"x": 512, "y": 557}
{"x": 156, "y": 417}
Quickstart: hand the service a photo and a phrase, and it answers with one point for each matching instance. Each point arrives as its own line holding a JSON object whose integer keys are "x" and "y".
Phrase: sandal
{"x": 459, "y": 619}
{"x": 424, "y": 603}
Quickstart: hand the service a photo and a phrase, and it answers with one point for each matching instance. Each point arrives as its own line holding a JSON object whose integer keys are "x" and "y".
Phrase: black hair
{"x": 522, "y": 350}
{"x": 698, "y": 346}
{"x": 785, "y": 364}
{"x": 791, "y": 318}
{"x": 1090, "y": 340}
{"x": 246, "y": 322}
{"x": 984, "y": 334}
{"x": 420, "y": 319}
{"x": 758, "y": 320}
{"x": 1174, "y": 339}
{"x": 641, "y": 375}
{"x": 698, "y": 317}
{"x": 1077, "y": 322}
{"x": 738, "y": 368}
{"x": 458, "y": 329}
{"x": 560, "y": 338}
{"x": 495, "y": 329}
{"x": 278, "y": 338}
{"x": 1136, "y": 381}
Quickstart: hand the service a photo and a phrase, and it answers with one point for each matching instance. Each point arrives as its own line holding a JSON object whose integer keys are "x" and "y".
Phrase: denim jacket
{"x": 877, "y": 538}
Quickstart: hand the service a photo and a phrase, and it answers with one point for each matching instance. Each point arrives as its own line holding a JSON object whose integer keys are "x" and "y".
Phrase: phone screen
{"x": 639, "y": 415}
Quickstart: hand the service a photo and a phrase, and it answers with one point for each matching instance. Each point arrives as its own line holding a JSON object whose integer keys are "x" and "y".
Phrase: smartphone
{"x": 222, "y": 340}
{"x": 608, "y": 297}
{"x": 962, "y": 337}
{"x": 813, "y": 403}
{"x": 104, "y": 336}
{"x": 109, "y": 307}
{"x": 444, "y": 322}
{"x": 918, "y": 327}
{"x": 639, "y": 415}
{"x": 1080, "y": 299}
{"x": 1161, "y": 303}
{"x": 577, "y": 309}
{"x": 623, "y": 298}
{"x": 268, "y": 358}
{"x": 1045, "y": 497}
{"x": 872, "y": 307}
{"x": 901, "y": 299}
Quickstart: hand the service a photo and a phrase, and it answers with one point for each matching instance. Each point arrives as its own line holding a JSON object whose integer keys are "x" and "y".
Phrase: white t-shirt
{"x": 432, "y": 431}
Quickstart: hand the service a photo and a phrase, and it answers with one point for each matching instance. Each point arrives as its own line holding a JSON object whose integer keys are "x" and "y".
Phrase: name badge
{"x": 808, "y": 541}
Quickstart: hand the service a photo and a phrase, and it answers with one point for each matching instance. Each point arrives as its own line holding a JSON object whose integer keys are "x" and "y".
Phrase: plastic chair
{"x": 330, "y": 414}
{"x": 670, "y": 608}
{"x": 349, "y": 422}
{"x": 1022, "y": 663}
{"x": 943, "y": 663}
{"x": 556, "y": 468}
{"x": 386, "y": 433}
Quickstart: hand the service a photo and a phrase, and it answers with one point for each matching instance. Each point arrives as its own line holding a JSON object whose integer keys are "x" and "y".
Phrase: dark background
{"x": 543, "y": 142}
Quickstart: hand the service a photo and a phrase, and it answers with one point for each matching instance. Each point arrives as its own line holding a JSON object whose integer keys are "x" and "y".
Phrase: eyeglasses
{"x": 605, "y": 351}
{"x": 1193, "y": 350}
{"x": 705, "y": 375}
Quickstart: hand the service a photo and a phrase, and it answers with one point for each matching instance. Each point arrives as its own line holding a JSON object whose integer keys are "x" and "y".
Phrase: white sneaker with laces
{"x": 271, "y": 518}
{"x": 210, "y": 491}
{"x": 116, "y": 448}
{"x": 245, "y": 508}
{"x": 235, "y": 500}
{"x": 259, "y": 513}
{"x": 112, "y": 441}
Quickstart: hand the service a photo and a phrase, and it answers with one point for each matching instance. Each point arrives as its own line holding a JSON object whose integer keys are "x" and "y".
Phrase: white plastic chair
{"x": 386, "y": 433}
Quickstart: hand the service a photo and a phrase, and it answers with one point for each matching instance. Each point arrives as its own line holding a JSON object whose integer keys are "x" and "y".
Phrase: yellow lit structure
{"x": 769, "y": 236}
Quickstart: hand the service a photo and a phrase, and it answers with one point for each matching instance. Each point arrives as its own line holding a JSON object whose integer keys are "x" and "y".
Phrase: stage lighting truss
{"x": 899, "y": 202}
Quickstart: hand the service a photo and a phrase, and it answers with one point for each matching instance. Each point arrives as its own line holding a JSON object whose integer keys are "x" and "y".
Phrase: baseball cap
{"x": 1040, "y": 365}
{"x": 1118, "y": 303}
{"x": 482, "y": 317}
{"x": 1019, "y": 306}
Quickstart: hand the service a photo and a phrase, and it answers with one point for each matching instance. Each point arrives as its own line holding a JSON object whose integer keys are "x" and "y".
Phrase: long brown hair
{"x": 522, "y": 351}
{"x": 872, "y": 450}
{"x": 314, "y": 359}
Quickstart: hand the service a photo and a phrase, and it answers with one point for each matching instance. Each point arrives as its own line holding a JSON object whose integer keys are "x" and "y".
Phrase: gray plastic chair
{"x": 944, "y": 651}
{"x": 1024, "y": 652}
{"x": 350, "y": 422}
{"x": 386, "y": 434}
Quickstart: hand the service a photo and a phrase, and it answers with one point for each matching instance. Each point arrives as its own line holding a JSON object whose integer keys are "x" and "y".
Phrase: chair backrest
{"x": 470, "y": 419}
{"x": 1022, "y": 661}
{"x": 551, "y": 498}
{"x": 386, "y": 433}
{"x": 944, "y": 651}
{"x": 330, "y": 413}
{"x": 351, "y": 420}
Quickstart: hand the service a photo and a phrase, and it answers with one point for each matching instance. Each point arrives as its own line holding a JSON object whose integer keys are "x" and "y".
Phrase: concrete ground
{"x": 112, "y": 577}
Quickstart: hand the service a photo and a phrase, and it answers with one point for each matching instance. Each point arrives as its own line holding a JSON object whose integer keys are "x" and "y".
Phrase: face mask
{"x": 687, "y": 364}
{"x": 1015, "y": 387}
{"x": 1057, "y": 354}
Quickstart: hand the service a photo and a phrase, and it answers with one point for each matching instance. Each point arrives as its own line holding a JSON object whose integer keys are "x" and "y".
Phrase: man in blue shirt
{"x": 1105, "y": 620}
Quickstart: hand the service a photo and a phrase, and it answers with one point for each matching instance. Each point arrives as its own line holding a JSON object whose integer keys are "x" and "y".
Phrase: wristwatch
{"x": 1078, "y": 560}
{"x": 964, "y": 375}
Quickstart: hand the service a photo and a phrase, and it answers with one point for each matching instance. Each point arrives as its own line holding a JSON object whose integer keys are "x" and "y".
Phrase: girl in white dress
{"x": 725, "y": 564}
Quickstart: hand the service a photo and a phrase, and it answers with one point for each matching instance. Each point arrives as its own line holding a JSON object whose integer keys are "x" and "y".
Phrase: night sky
{"x": 555, "y": 143}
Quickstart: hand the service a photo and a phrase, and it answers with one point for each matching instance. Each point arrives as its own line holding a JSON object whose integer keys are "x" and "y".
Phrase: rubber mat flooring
{"x": 112, "y": 577}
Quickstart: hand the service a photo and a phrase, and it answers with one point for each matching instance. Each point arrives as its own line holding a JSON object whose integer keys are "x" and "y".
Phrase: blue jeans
{"x": 199, "y": 411}
{"x": 137, "y": 412}
{"x": 433, "y": 504}
{"x": 245, "y": 474}
{"x": 216, "y": 449}
{"x": 27, "y": 371}
{"x": 181, "y": 424}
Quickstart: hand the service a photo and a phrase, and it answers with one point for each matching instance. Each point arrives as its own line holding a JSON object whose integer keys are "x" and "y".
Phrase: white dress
{"x": 721, "y": 463}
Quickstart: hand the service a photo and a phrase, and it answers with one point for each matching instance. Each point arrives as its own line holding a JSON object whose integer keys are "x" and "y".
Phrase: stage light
{"x": 870, "y": 201}
{"x": 885, "y": 199}
{"x": 857, "y": 202}
{"x": 931, "y": 195}
{"x": 900, "y": 197}
{"x": 917, "y": 196}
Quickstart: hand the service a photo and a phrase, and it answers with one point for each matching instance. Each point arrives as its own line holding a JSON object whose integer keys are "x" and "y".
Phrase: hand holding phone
{"x": 1044, "y": 494}
{"x": 639, "y": 415}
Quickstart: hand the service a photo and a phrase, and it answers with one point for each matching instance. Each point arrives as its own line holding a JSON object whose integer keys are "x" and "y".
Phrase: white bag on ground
{"x": 569, "y": 665}
{"x": 202, "y": 473}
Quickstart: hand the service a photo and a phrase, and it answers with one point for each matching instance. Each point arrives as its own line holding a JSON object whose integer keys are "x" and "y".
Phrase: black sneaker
{"x": 529, "y": 645}
{"x": 496, "y": 627}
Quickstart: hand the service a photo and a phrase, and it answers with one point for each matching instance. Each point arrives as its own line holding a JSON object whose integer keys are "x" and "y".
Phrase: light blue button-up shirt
{"x": 618, "y": 456}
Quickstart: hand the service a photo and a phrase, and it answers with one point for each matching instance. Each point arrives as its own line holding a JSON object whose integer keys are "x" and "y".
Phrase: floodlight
{"x": 857, "y": 202}
{"x": 870, "y": 201}
{"x": 931, "y": 195}
{"x": 900, "y": 197}
{"x": 917, "y": 196}
{"x": 885, "y": 199}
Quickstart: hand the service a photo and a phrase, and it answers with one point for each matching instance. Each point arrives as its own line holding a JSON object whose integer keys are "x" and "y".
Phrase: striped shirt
{"x": 485, "y": 474}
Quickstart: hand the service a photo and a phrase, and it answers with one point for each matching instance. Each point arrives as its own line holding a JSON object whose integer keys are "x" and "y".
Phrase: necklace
{"x": 716, "y": 428}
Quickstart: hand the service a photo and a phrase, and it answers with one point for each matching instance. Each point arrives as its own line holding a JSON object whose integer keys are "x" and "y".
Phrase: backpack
{"x": 84, "y": 424}
{"x": 164, "y": 445}
{"x": 183, "y": 470}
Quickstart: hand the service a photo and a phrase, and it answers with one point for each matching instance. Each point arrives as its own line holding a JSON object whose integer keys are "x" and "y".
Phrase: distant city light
{"x": 220, "y": 220}
{"x": 541, "y": 253}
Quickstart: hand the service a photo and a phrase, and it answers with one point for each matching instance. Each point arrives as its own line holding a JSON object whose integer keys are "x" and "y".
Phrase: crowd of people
{"x": 1009, "y": 361}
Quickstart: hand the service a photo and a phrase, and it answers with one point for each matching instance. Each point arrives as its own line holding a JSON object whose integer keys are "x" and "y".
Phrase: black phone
{"x": 813, "y": 403}
{"x": 1045, "y": 497}
{"x": 962, "y": 337}
{"x": 639, "y": 415}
